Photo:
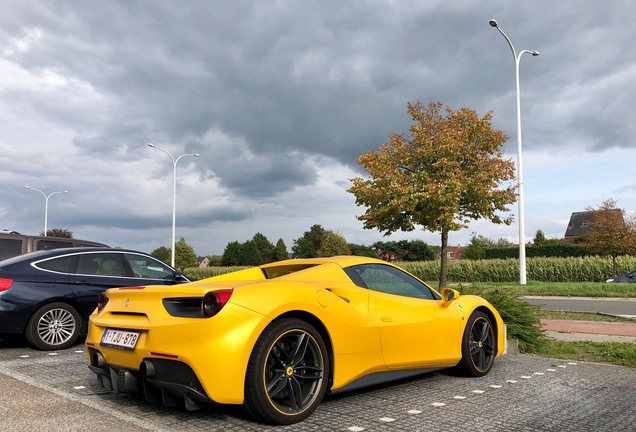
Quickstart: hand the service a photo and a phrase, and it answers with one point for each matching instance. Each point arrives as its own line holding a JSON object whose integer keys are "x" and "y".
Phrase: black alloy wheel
{"x": 478, "y": 346}
{"x": 287, "y": 374}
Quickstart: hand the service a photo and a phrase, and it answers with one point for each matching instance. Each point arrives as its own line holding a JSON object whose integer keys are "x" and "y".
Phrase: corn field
{"x": 573, "y": 269}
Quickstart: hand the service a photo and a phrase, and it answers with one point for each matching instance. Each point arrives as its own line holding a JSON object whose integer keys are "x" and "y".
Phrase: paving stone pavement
{"x": 595, "y": 331}
{"x": 56, "y": 391}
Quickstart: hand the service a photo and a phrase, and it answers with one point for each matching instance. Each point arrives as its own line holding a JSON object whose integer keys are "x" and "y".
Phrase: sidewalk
{"x": 595, "y": 331}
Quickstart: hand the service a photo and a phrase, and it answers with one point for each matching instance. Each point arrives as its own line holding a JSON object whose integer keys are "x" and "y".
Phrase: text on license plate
{"x": 120, "y": 338}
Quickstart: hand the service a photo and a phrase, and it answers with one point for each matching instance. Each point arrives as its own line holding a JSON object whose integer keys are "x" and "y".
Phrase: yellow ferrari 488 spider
{"x": 276, "y": 338}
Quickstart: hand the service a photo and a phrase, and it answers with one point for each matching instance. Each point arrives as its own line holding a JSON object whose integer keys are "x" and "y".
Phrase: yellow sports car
{"x": 276, "y": 338}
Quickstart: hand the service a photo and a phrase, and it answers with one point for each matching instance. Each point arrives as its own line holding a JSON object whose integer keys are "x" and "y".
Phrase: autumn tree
{"x": 448, "y": 172}
{"x": 58, "y": 232}
{"x": 611, "y": 234}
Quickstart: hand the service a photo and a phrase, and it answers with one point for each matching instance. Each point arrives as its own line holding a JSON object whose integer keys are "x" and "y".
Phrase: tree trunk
{"x": 443, "y": 260}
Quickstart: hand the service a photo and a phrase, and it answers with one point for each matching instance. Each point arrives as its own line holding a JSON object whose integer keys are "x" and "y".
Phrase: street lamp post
{"x": 174, "y": 193}
{"x": 522, "y": 238}
{"x": 46, "y": 204}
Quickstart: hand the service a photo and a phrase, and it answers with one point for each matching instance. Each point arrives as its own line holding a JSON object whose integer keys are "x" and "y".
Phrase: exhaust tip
{"x": 98, "y": 360}
{"x": 147, "y": 369}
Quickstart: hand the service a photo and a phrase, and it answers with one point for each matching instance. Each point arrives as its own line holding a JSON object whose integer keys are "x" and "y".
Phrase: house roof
{"x": 580, "y": 223}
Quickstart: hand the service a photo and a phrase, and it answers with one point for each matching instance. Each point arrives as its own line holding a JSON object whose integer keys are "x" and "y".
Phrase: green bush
{"x": 521, "y": 318}
{"x": 560, "y": 250}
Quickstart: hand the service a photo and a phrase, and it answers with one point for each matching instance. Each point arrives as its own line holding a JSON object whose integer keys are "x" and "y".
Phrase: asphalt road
{"x": 610, "y": 306}
{"x": 56, "y": 391}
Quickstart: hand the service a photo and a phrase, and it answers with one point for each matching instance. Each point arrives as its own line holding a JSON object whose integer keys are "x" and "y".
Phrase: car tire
{"x": 287, "y": 374}
{"x": 54, "y": 326}
{"x": 479, "y": 346}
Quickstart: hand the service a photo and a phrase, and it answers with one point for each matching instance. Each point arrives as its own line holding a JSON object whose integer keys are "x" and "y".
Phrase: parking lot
{"x": 56, "y": 391}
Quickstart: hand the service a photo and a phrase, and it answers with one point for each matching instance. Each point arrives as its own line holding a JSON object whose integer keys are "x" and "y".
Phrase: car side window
{"x": 144, "y": 267}
{"x": 101, "y": 264}
{"x": 390, "y": 280}
{"x": 64, "y": 264}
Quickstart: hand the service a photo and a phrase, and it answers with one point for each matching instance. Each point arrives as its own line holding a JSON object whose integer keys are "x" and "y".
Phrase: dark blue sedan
{"x": 47, "y": 296}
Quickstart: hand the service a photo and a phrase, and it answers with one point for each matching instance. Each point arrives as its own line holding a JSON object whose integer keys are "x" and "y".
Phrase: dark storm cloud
{"x": 265, "y": 90}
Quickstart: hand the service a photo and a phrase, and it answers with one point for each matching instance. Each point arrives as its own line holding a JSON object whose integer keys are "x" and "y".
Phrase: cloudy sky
{"x": 281, "y": 97}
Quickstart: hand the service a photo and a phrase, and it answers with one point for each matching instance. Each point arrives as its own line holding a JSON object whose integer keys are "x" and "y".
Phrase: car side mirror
{"x": 448, "y": 295}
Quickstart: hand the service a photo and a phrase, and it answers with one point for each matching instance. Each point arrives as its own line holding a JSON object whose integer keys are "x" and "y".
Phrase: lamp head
{"x": 493, "y": 23}
{"x": 151, "y": 145}
{"x": 535, "y": 53}
{"x": 196, "y": 155}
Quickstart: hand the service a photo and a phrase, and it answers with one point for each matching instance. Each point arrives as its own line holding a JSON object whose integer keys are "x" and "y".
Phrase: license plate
{"x": 120, "y": 339}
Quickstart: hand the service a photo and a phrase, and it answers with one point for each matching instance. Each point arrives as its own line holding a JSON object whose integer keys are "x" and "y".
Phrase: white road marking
{"x": 413, "y": 412}
{"x": 511, "y": 381}
{"x": 355, "y": 429}
{"x": 479, "y": 391}
{"x": 438, "y": 404}
{"x": 387, "y": 419}
{"x": 495, "y": 386}
{"x": 459, "y": 397}
{"x": 525, "y": 377}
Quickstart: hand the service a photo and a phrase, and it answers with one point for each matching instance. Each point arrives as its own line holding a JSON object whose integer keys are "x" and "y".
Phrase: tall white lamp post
{"x": 46, "y": 205}
{"x": 522, "y": 237}
{"x": 174, "y": 193}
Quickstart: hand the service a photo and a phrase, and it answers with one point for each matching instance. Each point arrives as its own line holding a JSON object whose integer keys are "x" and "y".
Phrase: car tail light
{"x": 214, "y": 301}
{"x": 102, "y": 300}
{"x": 5, "y": 284}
